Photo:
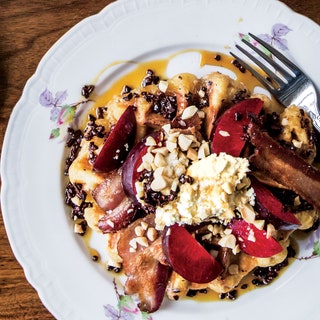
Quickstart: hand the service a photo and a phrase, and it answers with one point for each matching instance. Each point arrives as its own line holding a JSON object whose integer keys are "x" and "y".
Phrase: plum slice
{"x": 130, "y": 173}
{"x": 188, "y": 257}
{"x": 271, "y": 209}
{"x": 254, "y": 241}
{"x": 228, "y": 135}
{"x": 118, "y": 143}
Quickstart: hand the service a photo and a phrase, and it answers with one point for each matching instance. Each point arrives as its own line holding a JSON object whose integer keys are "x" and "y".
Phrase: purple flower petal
{"x": 54, "y": 114}
{"x": 281, "y": 43}
{"x": 60, "y": 97}
{"x": 280, "y": 30}
{"x": 46, "y": 98}
{"x": 265, "y": 37}
{"x": 111, "y": 312}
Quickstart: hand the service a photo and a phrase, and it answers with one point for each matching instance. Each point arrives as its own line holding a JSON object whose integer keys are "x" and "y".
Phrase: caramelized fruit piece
{"x": 271, "y": 209}
{"x": 130, "y": 173}
{"x": 284, "y": 166}
{"x": 152, "y": 280}
{"x": 228, "y": 135}
{"x": 254, "y": 241}
{"x": 188, "y": 257}
{"x": 118, "y": 143}
{"x": 109, "y": 193}
{"x": 147, "y": 277}
{"x": 130, "y": 167}
{"x": 117, "y": 218}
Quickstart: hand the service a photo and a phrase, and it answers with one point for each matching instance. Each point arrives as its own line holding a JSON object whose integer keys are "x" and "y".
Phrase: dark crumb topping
{"x": 87, "y": 90}
{"x": 162, "y": 104}
{"x": 114, "y": 269}
{"x": 192, "y": 292}
{"x": 126, "y": 89}
{"x": 185, "y": 179}
{"x": 231, "y": 295}
{"x": 150, "y": 78}
{"x": 238, "y": 65}
{"x": 240, "y": 95}
{"x": 82, "y": 227}
{"x": 93, "y": 130}
{"x": 165, "y": 105}
{"x": 287, "y": 197}
{"x": 92, "y": 155}
{"x": 74, "y": 138}
{"x": 72, "y": 191}
{"x": 100, "y": 112}
{"x": 265, "y": 275}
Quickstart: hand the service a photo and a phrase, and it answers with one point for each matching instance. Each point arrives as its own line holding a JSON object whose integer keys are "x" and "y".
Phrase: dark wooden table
{"x": 28, "y": 28}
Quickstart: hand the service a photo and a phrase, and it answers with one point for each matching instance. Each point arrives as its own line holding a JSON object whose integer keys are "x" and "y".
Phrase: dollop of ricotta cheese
{"x": 220, "y": 187}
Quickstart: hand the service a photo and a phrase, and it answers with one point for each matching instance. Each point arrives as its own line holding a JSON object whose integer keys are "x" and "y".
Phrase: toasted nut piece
{"x": 184, "y": 142}
{"x": 166, "y": 128}
{"x": 204, "y": 150}
{"x": 163, "y": 150}
{"x": 159, "y": 160}
{"x": 259, "y": 224}
{"x": 224, "y": 133}
{"x": 152, "y": 234}
{"x": 78, "y": 228}
{"x": 247, "y": 213}
{"x": 139, "y": 231}
{"x": 171, "y": 146}
{"x": 297, "y": 201}
{"x": 296, "y": 143}
{"x": 141, "y": 167}
{"x": 201, "y": 93}
{"x": 133, "y": 243}
{"x": 150, "y": 142}
{"x": 201, "y": 114}
{"x": 192, "y": 154}
{"x": 147, "y": 161}
{"x": 251, "y": 236}
{"x": 271, "y": 231}
{"x": 76, "y": 200}
{"x": 144, "y": 225}
{"x": 163, "y": 85}
{"x": 143, "y": 241}
{"x": 159, "y": 183}
{"x": 175, "y": 184}
{"x": 189, "y": 112}
{"x": 228, "y": 241}
{"x": 233, "y": 269}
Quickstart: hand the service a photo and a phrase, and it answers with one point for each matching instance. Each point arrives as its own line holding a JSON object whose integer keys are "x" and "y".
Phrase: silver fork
{"x": 288, "y": 84}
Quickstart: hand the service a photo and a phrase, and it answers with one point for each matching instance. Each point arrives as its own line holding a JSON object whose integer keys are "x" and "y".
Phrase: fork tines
{"x": 280, "y": 76}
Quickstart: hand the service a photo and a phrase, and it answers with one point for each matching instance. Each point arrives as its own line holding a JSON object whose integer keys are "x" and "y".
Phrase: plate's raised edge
{"x": 38, "y": 277}
{"x": 22, "y": 251}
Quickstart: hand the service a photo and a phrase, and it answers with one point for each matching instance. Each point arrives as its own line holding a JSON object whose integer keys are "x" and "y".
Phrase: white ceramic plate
{"x": 54, "y": 259}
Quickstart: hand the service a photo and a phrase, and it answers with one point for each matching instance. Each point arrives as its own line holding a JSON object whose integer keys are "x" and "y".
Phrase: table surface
{"x": 28, "y": 29}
